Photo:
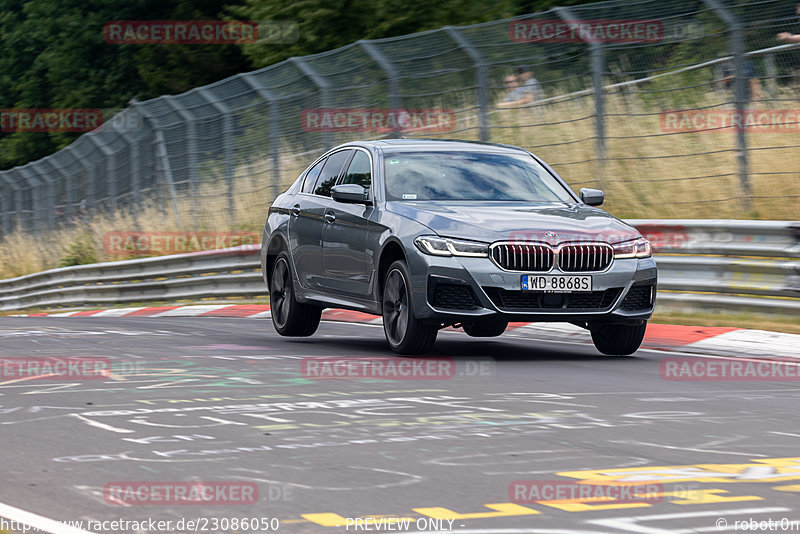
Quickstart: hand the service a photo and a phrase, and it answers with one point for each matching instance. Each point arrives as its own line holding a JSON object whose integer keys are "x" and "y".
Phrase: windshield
{"x": 470, "y": 176}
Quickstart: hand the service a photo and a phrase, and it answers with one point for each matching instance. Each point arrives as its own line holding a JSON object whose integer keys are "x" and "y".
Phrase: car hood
{"x": 515, "y": 221}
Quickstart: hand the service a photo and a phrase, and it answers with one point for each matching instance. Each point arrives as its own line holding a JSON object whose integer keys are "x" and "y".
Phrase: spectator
{"x": 514, "y": 92}
{"x": 786, "y": 37}
{"x": 532, "y": 89}
{"x": 753, "y": 85}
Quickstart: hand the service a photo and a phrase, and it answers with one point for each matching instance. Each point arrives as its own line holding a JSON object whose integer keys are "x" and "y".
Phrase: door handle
{"x": 330, "y": 217}
{"x": 296, "y": 210}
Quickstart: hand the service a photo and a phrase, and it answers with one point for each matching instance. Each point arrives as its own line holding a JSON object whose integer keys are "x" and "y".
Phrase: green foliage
{"x": 53, "y": 55}
{"x": 81, "y": 251}
{"x": 327, "y": 24}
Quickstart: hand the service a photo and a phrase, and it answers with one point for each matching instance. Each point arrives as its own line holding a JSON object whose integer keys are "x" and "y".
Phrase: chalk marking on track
{"x": 102, "y": 426}
{"x": 786, "y": 434}
{"x": 682, "y": 448}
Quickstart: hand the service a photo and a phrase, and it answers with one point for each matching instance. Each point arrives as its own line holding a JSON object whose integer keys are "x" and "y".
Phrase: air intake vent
{"x": 640, "y": 297}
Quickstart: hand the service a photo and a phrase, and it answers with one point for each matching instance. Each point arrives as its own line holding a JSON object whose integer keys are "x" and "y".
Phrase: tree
{"x": 53, "y": 55}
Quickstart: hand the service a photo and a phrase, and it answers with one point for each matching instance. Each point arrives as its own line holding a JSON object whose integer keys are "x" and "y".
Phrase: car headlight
{"x": 638, "y": 248}
{"x": 442, "y": 246}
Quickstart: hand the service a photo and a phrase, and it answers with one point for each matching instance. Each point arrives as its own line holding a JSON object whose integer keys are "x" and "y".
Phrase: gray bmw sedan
{"x": 435, "y": 233}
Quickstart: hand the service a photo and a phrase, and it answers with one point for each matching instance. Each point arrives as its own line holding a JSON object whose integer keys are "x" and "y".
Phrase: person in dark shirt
{"x": 753, "y": 85}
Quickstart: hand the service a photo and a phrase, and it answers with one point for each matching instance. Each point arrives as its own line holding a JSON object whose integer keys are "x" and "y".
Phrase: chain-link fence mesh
{"x": 642, "y": 99}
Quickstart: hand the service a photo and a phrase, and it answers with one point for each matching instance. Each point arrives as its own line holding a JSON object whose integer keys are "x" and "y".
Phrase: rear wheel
{"x": 290, "y": 318}
{"x": 485, "y": 327}
{"x": 618, "y": 339}
{"x": 405, "y": 333}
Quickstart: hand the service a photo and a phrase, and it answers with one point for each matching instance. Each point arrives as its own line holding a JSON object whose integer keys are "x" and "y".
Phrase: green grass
{"x": 777, "y": 323}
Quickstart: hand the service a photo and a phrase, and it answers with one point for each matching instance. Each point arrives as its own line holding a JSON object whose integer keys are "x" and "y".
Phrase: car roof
{"x": 460, "y": 145}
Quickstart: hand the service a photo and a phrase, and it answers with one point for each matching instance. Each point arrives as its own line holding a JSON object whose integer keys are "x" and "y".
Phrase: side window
{"x": 330, "y": 172}
{"x": 311, "y": 177}
{"x": 358, "y": 172}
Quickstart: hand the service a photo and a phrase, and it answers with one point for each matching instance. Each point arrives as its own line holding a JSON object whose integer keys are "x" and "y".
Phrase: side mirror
{"x": 350, "y": 193}
{"x": 592, "y": 197}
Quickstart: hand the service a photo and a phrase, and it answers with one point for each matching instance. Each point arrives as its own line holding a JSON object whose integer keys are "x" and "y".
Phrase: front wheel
{"x": 405, "y": 333}
{"x": 618, "y": 339}
{"x": 289, "y": 317}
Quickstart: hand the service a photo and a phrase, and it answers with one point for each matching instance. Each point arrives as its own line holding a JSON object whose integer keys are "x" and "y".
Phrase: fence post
{"x": 20, "y": 202}
{"x": 481, "y": 79}
{"x": 740, "y": 89}
{"x": 771, "y": 75}
{"x": 274, "y": 127}
{"x": 227, "y": 143}
{"x": 163, "y": 159}
{"x": 391, "y": 72}
{"x": 597, "y": 58}
{"x": 5, "y": 210}
{"x": 46, "y": 209}
{"x": 322, "y": 84}
{"x": 112, "y": 190}
{"x": 68, "y": 198}
{"x": 36, "y": 205}
{"x": 51, "y": 190}
{"x": 120, "y": 123}
{"x": 14, "y": 199}
{"x": 91, "y": 176}
{"x": 191, "y": 149}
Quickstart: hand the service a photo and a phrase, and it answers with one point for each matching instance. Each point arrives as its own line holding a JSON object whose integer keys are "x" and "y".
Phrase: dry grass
{"x": 21, "y": 253}
{"x": 651, "y": 173}
{"x": 642, "y": 178}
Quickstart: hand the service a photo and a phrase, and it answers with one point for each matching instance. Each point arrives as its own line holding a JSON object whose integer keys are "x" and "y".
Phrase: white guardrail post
{"x": 706, "y": 264}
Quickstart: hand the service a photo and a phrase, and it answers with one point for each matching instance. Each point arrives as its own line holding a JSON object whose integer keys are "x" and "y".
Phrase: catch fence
{"x": 641, "y": 98}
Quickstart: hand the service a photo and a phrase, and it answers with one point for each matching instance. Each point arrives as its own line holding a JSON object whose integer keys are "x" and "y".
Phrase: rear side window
{"x": 359, "y": 171}
{"x": 311, "y": 177}
{"x": 330, "y": 172}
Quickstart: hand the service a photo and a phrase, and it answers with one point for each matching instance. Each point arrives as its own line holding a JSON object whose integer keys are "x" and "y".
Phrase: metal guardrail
{"x": 730, "y": 265}
{"x": 726, "y": 265}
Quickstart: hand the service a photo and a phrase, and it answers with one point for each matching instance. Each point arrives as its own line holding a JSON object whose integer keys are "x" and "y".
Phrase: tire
{"x": 289, "y": 317}
{"x": 485, "y": 327}
{"x": 618, "y": 339}
{"x": 405, "y": 333}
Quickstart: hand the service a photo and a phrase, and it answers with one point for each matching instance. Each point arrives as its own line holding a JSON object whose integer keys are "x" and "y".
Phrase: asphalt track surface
{"x": 225, "y": 400}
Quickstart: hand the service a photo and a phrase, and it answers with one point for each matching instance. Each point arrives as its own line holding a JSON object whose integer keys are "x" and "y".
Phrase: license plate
{"x": 556, "y": 283}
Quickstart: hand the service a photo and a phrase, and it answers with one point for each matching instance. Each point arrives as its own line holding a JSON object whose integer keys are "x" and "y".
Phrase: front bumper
{"x": 493, "y": 291}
